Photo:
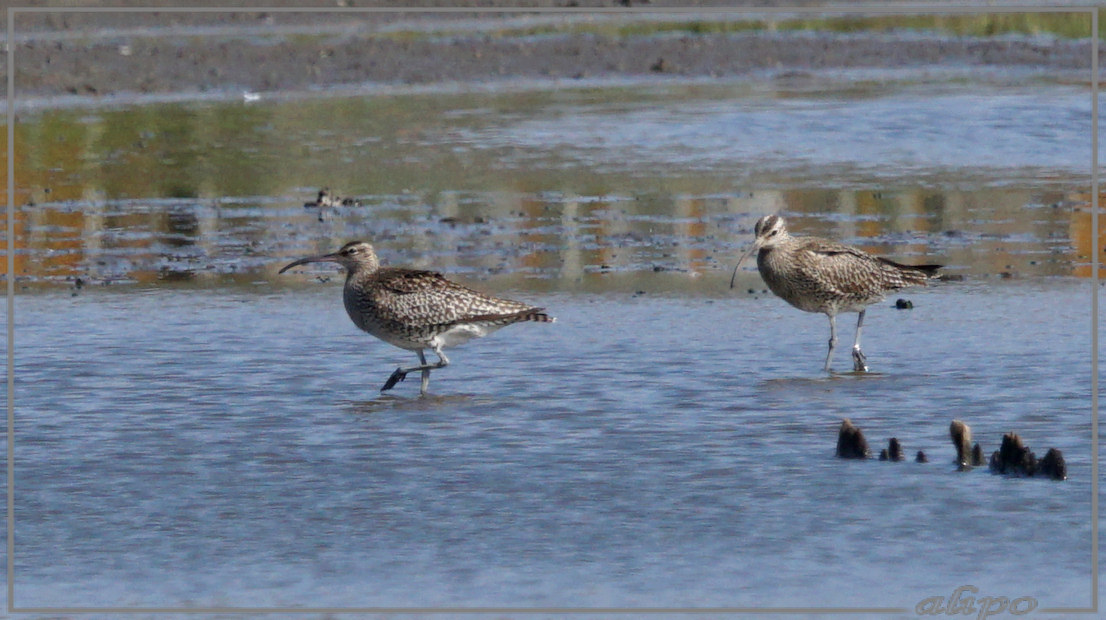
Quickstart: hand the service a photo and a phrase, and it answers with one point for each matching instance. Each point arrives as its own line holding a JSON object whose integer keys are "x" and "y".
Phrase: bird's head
{"x": 354, "y": 256}
{"x": 769, "y": 231}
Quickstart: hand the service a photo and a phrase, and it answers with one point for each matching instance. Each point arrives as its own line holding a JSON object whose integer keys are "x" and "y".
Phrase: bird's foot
{"x": 397, "y": 376}
{"x": 859, "y": 360}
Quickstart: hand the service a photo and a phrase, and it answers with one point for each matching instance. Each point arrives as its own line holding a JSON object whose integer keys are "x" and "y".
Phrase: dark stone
{"x": 883, "y": 454}
{"x": 851, "y": 443}
{"x": 1053, "y": 465}
{"x": 904, "y": 304}
{"x": 921, "y": 457}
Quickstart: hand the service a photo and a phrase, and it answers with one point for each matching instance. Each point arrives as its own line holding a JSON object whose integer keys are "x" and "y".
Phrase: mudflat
{"x": 65, "y": 54}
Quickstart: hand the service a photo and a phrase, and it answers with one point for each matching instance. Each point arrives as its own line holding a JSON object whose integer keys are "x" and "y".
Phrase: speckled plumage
{"x": 412, "y": 309}
{"x": 820, "y": 275}
{"x": 416, "y": 310}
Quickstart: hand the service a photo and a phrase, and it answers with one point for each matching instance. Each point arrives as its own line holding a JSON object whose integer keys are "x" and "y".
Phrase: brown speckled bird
{"x": 820, "y": 275}
{"x": 417, "y": 310}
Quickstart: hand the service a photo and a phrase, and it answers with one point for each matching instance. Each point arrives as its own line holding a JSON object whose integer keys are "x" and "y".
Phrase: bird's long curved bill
{"x": 747, "y": 254}
{"x": 322, "y": 258}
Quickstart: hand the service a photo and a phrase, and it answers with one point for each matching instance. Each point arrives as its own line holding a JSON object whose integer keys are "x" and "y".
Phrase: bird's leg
{"x": 425, "y": 373}
{"x": 832, "y": 340}
{"x": 858, "y": 357}
{"x": 442, "y": 363}
{"x": 401, "y": 373}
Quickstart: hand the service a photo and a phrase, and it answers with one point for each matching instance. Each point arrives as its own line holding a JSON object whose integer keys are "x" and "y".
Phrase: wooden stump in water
{"x": 893, "y": 451}
{"x": 977, "y": 455}
{"x": 1013, "y": 457}
{"x": 851, "y": 443}
{"x": 961, "y": 435}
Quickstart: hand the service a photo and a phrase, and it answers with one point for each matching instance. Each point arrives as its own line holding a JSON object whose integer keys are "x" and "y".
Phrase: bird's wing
{"x": 416, "y": 297}
{"x": 411, "y": 281}
{"x": 840, "y": 268}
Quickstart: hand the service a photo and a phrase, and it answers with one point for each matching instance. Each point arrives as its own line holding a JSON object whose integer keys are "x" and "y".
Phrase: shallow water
{"x": 194, "y": 430}
{"x": 642, "y": 451}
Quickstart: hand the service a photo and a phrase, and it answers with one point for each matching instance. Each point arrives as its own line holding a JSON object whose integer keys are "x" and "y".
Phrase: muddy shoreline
{"x": 61, "y": 55}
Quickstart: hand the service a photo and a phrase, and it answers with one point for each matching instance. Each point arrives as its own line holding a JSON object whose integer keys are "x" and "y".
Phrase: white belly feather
{"x": 462, "y": 333}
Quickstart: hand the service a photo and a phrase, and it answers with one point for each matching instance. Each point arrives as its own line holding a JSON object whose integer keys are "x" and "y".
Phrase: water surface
{"x": 642, "y": 451}
{"x": 195, "y": 430}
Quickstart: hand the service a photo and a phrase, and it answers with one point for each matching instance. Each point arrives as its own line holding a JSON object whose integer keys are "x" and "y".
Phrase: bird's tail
{"x": 529, "y": 314}
{"x": 536, "y": 314}
{"x": 914, "y": 274}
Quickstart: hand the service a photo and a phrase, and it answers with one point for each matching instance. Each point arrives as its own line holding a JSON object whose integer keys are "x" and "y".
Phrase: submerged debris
{"x": 1013, "y": 458}
{"x": 850, "y": 442}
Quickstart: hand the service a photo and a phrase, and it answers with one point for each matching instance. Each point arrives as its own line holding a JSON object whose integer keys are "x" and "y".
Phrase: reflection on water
{"x": 547, "y": 240}
{"x": 536, "y": 190}
{"x": 412, "y": 404}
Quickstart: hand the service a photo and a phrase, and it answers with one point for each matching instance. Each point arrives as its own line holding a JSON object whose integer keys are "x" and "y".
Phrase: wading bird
{"x": 820, "y": 275}
{"x": 417, "y": 310}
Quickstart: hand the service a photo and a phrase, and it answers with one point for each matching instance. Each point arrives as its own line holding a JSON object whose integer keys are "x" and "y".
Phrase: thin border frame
{"x": 827, "y": 10}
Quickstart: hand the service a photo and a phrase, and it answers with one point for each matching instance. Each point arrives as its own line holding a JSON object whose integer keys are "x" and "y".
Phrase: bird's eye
{"x": 772, "y": 233}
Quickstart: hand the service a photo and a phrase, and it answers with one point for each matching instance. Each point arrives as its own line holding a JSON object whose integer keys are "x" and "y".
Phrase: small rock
{"x": 921, "y": 457}
{"x": 904, "y": 304}
{"x": 1053, "y": 465}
